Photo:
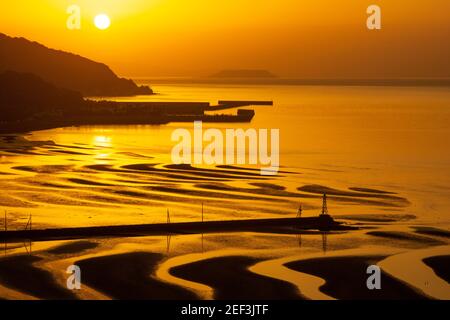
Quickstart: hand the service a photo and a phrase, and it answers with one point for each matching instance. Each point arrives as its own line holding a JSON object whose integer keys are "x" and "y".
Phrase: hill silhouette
{"x": 25, "y": 95}
{"x": 29, "y": 103}
{"x": 63, "y": 69}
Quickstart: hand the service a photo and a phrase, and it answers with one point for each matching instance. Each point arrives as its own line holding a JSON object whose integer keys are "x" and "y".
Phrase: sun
{"x": 102, "y": 21}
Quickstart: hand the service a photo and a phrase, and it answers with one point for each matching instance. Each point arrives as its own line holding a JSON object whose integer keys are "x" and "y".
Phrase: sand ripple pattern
{"x": 45, "y": 177}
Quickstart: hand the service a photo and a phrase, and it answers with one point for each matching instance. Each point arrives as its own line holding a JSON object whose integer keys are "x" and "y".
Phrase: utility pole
{"x": 6, "y": 229}
{"x": 168, "y": 216}
{"x": 324, "y": 205}
{"x": 300, "y": 211}
{"x": 29, "y": 223}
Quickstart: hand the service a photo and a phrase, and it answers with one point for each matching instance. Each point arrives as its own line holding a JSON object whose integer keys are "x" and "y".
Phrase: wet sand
{"x": 231, "y": 279}
{"x": 128, "y": 276}
{"x": 74, "y": 247}
{"x": 113, "y": 180}
{"x": 406, "y": 236}
{"x": 440, "y": 265}
{"x": 409, "y": 267}
{"x": 19, "y": 273}
{"x": 378, "y": 218}
{"x": 346, "y": 278}
{"x": 430, "y": 231}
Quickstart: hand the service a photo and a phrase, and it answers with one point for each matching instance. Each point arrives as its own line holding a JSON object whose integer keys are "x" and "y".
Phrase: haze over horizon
{"x": 311, "y": 39}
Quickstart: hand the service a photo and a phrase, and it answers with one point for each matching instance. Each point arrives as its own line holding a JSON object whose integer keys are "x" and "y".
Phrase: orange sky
{"x": 292, "y": 38}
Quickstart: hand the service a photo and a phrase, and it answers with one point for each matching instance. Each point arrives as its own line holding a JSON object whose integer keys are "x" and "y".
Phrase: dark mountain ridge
{"x": 63, "y": 69}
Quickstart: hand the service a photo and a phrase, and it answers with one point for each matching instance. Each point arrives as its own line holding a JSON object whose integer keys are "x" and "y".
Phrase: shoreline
{"x": 294, "y": 225}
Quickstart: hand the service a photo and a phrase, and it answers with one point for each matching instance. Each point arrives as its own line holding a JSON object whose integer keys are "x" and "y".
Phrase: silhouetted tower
{"x": 324, "y": 205}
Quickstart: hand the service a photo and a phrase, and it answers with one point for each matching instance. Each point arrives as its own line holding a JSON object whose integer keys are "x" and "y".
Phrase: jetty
{"x": 102, "y": 112}
{"x": 282, "y": 225}
{"x": 167, "y": 112}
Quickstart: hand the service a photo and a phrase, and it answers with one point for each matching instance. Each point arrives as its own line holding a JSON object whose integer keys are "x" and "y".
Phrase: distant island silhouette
{"x": 66, "y": 70}
{"x": 243, "y": 73}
